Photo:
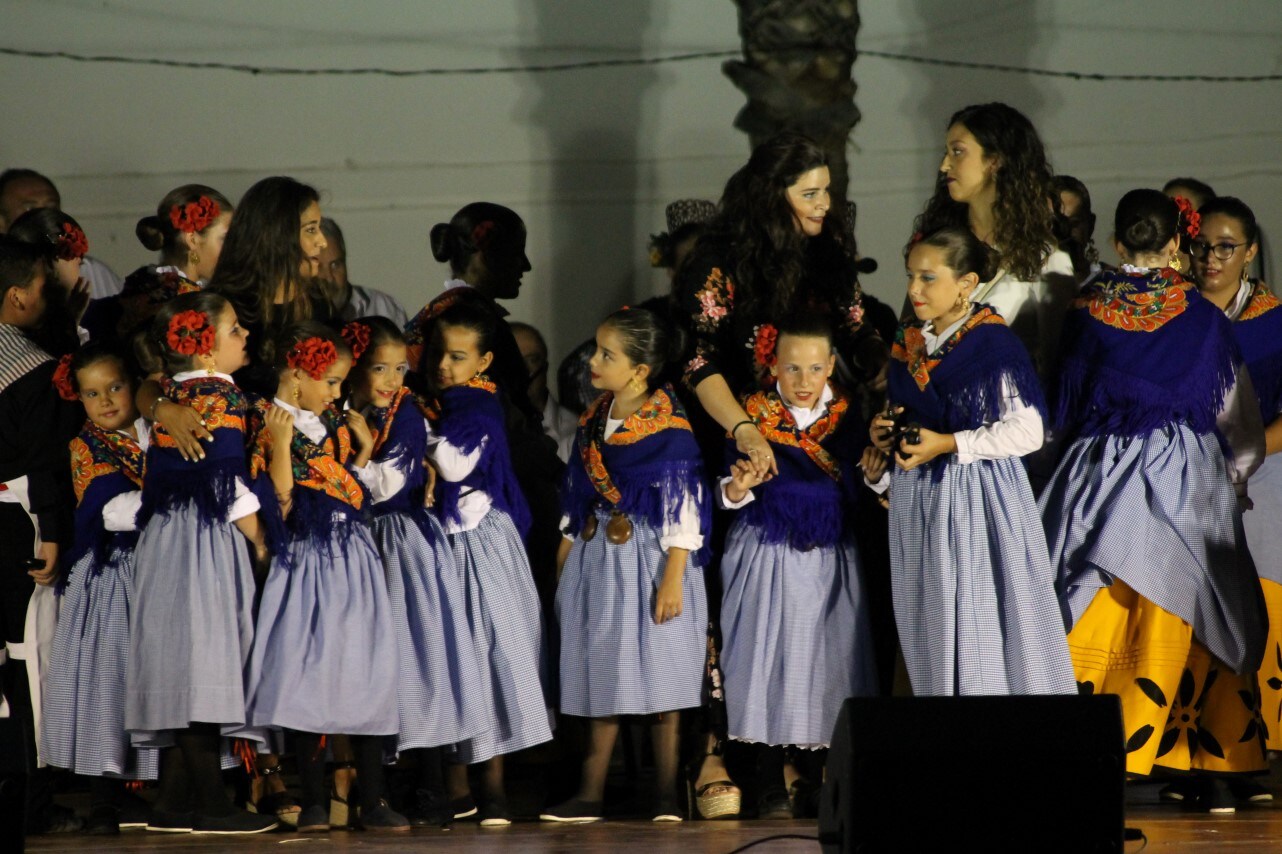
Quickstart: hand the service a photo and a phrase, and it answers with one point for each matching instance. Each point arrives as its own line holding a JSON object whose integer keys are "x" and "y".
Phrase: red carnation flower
{"x": 72, "y": 243}
{"x": 62, "y": 379}
{"x": 1190, "y": 220}
{"x": 764, "y": 348}
{"x": 481, "y": 233}
{"x": 356, "y": 334}
{"x": 313, "y": 356}
{"x": 194, "y": 216}
{"x": 190, "y": 334}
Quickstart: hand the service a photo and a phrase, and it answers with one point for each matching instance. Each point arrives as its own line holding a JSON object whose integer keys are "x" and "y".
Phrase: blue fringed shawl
{"x": 1141, "y": 352}
{"x": 472, "y": 414}
{"x": 209, "y": 483}
{"x": 805, "y": 505}
{"x": 1258, "y": 331}
{"x": 648, "y": 468}
{"x": 964, "y": 379}
{"x": 400, "y": 440}
{"x": 103, "y": 466}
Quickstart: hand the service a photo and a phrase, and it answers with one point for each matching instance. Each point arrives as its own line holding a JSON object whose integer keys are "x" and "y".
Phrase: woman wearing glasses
{"x": 1222, "y": 254}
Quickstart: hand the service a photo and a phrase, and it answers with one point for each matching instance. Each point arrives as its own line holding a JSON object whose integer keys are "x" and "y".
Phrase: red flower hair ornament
{"x": 71, "y": 243}
{"x": 356, "y": 334}
{"x": 763, "y": 349}
{"x": 313, "y": 356}
{"x": 62, "y": 379}
{"x": 190, "y": 334}
{"x": 1190, "y": 220}
{"x": 194, "y": 216}
{"x": 481, "y": 233}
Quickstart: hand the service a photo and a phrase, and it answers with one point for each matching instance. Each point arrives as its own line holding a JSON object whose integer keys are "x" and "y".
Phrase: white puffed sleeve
{"x": 121, "y": 512}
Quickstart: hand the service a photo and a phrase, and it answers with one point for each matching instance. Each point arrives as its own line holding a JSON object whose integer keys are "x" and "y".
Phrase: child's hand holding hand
{"x": 743, "y": 477}
{"x": 874, "y": 463}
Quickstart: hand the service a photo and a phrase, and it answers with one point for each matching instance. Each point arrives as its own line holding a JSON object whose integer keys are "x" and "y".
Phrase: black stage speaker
{"x": 988, "y": 774}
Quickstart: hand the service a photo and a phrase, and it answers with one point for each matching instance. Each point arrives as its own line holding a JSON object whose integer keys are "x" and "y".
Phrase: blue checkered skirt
{"x": 615, "y": 660}
{"x": 973, "y": 590}
{"x": 796, "y": 638}
{"x": 506, "y": 622}
{"x": 83, "y": 723}
{"x": 437, "y": 670}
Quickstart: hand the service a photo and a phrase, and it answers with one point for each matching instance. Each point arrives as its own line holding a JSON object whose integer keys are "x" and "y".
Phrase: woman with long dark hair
{"x": 776, "y": 246}
{"x": 995, "y": 180}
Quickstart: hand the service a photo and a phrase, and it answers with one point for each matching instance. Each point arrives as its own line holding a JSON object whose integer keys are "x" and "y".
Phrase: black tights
{"x": 191, "y": 773}
{"x": 368, "y": 750}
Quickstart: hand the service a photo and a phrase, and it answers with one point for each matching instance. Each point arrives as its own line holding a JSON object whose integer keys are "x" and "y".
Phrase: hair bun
{"x": 440, "y": 238}
{"x": 150, "y": 233}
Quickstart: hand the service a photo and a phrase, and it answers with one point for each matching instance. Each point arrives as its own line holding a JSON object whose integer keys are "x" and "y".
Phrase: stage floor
{"x": 1169, "y": 829}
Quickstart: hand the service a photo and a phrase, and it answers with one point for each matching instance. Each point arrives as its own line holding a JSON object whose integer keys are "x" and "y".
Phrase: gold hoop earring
{"x": 298, "y": 392}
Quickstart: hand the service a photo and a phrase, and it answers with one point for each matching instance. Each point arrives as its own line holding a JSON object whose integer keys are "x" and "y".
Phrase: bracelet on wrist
{"x": 155, "y": 404}
{"x": 735, "y": 428}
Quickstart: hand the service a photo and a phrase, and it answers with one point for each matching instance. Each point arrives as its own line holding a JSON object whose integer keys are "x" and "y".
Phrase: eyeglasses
{"x": 1223, "y": 251}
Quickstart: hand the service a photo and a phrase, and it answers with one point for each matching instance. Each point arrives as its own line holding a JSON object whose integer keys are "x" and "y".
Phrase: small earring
{"x": 298, "y": 392}
{"x": 1175, "y": 262}
{"x": 192, "y": 259}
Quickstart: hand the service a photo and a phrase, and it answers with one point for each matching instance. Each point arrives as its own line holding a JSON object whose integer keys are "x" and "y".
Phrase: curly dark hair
{"x": 262, "y": 252}
{"x": 1024, "y": 232}
{"x": 755, "y": 218}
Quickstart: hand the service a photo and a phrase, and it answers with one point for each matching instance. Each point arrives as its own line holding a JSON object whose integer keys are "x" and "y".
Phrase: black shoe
{"x": 1250, "y": 791}
{"x": 430, "y": 809}
{"x": 573, "y": 811}
{"x": 384, "y": 819}
{"x": 234, "y": 823}
{"x": 313, "y": 819}
{"x": 463, "y": 807}
{"x": 1216, "y": 798}
{"x": 495, "y": 814}
{"x": 773, "y": 804}
{"x": 134, "y": 811}
{"x": 170, "y": 822}
{"x": 56, "y": 819}
{"x": 104, "y": 820}
{"x": 666, "y": 809}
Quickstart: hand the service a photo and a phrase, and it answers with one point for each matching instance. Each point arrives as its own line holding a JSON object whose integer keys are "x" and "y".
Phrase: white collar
{"x": 1240, "y": 301}
{"x": 141, "y": 428}
{"x": 305, "y": 421}
{"x": 183, "y": 376}
{"x": 450, "y": 284}
{"x": 805, "y": 416}
{"x": 933, "y": 340}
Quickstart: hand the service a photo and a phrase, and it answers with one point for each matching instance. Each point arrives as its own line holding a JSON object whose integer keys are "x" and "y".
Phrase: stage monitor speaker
{"x": 988, "y": 774}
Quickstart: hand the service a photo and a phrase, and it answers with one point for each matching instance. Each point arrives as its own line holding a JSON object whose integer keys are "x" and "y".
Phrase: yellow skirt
{"x": 1182, "y": 709}
{"x": 1271, "y": 668}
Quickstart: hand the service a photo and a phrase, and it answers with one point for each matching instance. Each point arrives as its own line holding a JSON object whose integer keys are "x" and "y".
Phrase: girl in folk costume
{"x": 794, "y": 617}
{"x": 1227, "y": 244}
{"x": 187, "y": 230}
{"x": 84, "y": 701}
{"x": 1143, "y": 525}
{"x": 631, "y": 601}
{"x": 324, "y": 658}
{"x": 486, "y": 518}
{"x": 437, "y": 662}
{"x": 191, "y": 625}
{"x": 973, "y": 591}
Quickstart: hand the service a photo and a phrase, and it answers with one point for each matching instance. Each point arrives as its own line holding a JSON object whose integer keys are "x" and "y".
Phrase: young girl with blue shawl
{"x": 631, "y": 601}
{"x": 191, "y": 625}
{"x": 437, "y": 670}
{"x": 324, "y": 658}
{"x": 486, "y": 517}
{"x": 794, "y": 618}
{"x": 84, "y": 702}
{"x": 973, "y": 591}
{"x": 1143, "y": 524}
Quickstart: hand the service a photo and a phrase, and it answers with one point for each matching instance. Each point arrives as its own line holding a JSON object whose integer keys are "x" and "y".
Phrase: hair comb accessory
{"x": 190, "y": 334}
{"x": 62, "y": 378}
{"x": 194, "y": 216}
{"x": 71, "y": 243}
{"x": 313, "y": 356}
{"x": 356, "y": 334}
{"x": 1190, "y": 220}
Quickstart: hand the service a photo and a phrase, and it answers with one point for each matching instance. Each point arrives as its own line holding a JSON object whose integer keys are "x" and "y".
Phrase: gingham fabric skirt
{"x": 615, "y": 660}
{"x": 84, "y": 703}
{"x": 796, "y": 638}
{"x": 503, "y": 609}
{"x": 1158, "y": 512}
{"x": 437, "y": 670}
{"x": 973, "y": 590}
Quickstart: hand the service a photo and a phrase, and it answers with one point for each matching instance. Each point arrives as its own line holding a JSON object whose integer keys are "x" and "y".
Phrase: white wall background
{"x": 590, "y": 157}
